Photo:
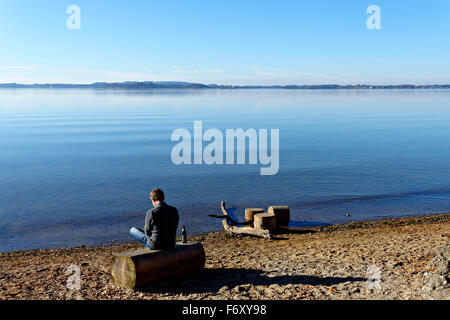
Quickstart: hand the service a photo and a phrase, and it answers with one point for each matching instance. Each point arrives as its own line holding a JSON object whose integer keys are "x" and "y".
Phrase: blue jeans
{"x": 140, "y": 236}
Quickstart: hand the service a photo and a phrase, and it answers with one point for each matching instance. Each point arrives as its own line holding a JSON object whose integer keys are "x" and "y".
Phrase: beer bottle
{"x": 183, "y": 235}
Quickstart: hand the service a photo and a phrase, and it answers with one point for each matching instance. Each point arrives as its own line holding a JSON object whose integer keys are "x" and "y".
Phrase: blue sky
{"x": 225, "y": 42}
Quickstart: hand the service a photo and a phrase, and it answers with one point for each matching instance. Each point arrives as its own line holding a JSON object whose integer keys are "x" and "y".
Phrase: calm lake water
{"x": 76, "y": 166}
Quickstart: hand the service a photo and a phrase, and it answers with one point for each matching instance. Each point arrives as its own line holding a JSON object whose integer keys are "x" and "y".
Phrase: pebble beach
{"x": 404, "y": 258}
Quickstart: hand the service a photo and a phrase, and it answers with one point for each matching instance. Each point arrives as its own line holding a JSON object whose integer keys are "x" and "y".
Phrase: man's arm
{"x": 177, "y": 218}
{"x": 148, "y": 223}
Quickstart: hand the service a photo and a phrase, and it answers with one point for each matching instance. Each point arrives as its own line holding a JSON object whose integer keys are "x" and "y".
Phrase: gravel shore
{"x": 390, "y": 259}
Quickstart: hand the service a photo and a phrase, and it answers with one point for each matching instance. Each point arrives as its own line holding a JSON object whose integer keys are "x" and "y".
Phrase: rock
{"x": 223, "y": 289}
{"x": 238, "y": 289}
{"x": 434, "y": 281}
{"x": 277, "y": 288}
{"x": 439, "y": 264}
{"x": 444, "y": 251}
{"x": 268, "y": 293}
{"x": 289, "y": 286}
{"x": 438, "y": 270}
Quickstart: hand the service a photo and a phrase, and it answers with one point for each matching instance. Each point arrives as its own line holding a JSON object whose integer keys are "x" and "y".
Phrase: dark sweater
{"x": 161, "y": 225}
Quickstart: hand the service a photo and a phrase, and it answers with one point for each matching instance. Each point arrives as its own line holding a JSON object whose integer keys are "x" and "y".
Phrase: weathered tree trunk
{"x": 241, "y": 230}
{"x": 135, "y": 269}
{"x": 282, "y": 214}
{"x": 265, "y": 221}
{"x": 250, "y": 212}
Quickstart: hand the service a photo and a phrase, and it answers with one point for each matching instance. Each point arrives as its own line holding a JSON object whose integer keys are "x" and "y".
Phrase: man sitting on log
{"x": 161, "y": 224}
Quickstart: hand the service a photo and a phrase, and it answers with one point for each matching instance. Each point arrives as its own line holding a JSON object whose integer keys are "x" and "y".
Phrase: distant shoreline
{"x": 133, "y": 85}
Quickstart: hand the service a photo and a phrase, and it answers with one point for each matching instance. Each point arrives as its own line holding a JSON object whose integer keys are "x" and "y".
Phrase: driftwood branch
{"x": 230, "y": 221}
{"x": 230, "y": 225}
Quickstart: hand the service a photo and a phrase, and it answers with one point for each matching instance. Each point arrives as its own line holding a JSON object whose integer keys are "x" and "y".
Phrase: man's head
{"x": 157, "y": 196}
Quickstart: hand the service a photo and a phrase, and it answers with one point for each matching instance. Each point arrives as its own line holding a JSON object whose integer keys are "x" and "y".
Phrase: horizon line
{"x": 214, "y": 85}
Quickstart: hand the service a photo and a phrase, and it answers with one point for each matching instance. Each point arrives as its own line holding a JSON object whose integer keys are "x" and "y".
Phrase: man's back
{"x": 161, "y": 225}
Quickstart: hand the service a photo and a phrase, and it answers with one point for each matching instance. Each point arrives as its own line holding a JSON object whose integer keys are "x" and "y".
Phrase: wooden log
{"x": 233, "y": 229}
{"x": 282, "y": 214}
{"x": 135, "y": 269}
{"x": 250, "y": 212}
{"x": 266, "y": 221}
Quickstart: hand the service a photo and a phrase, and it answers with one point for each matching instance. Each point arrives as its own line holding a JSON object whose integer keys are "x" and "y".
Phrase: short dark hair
{"x": 157, "y": 195}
